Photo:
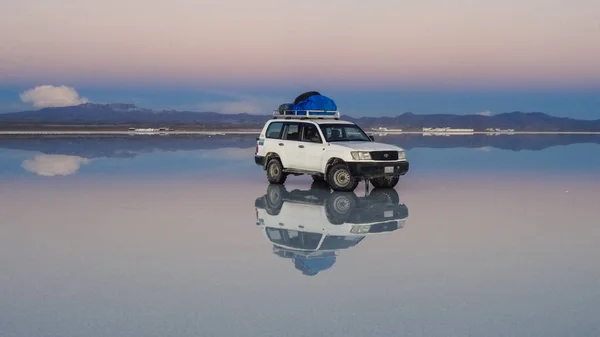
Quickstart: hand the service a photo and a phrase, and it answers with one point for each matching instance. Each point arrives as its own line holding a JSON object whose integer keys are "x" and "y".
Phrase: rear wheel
{"x": 385, "y": 182}
{"x": 340, "y": 179}
{"x": 274, "y": 199}
{"x": 275, "y": 173}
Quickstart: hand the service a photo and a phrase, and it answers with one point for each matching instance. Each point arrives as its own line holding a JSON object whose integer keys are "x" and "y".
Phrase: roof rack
{"x": 306, "y": 114}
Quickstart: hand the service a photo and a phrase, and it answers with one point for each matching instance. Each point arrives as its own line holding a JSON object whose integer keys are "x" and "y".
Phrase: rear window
{"x": 274, "y": 130}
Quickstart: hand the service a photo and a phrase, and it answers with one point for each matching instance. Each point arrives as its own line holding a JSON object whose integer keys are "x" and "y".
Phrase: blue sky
{"x": 381, "y": 57}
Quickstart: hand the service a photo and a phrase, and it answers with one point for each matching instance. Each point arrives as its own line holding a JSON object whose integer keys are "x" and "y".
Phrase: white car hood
{"x": 367, "y": 146}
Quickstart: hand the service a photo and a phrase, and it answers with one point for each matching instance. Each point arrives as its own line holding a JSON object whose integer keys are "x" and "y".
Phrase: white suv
{"x": 329, "y": 149}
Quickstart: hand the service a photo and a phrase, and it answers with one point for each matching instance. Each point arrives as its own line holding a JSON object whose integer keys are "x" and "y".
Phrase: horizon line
{"x": 270, "y": 114}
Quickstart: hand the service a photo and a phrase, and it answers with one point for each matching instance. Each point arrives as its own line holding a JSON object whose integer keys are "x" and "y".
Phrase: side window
{"x": 310, "y": 133}
{"x": 292, "y": 132}
{"x": 274, "y": 130}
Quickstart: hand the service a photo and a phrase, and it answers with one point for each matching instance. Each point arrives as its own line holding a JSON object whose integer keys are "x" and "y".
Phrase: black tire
{"x": 339, "y": 206}
{"x": 385, "y": 196}
{"x": 340, "y": 180}
{"x": 385, "y": 182}
{"x": 275, "y": 173}
{"x": 274, "y": 199}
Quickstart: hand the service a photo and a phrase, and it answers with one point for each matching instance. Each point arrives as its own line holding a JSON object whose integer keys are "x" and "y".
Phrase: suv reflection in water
{"x": 310, "y": 227}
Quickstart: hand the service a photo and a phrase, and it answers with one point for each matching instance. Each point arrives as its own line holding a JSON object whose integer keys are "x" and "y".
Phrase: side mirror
{"x": 372, "y": 138}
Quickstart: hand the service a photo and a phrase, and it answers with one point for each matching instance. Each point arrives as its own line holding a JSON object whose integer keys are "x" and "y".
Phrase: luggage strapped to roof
{"x": 307, "y": 114}
{"x": 310, "y": 104}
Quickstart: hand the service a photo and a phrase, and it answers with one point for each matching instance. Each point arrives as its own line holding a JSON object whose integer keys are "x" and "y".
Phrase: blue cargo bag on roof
{"x": 316, "y": 102}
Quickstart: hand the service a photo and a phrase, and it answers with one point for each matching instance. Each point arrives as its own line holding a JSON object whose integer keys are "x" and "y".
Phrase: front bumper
{"x": 372, "y": 169}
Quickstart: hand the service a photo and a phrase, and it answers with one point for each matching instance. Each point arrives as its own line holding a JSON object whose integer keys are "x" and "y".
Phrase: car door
{"x": 287, "y": 146}
{"x": 272, "y": 137}
{"x": 310, "y": 147}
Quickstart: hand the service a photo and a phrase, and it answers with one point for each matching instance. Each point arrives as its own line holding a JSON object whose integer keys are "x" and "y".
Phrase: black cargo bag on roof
{"x": 285, "y": 107}
{"x": 305, "y": 95}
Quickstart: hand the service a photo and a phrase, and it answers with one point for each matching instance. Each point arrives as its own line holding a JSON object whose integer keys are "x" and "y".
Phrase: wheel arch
{"x": 269, "y": 156}
{"x": 332, "y": 161}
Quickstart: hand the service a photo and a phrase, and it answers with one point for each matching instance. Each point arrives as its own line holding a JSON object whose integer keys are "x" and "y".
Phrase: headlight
{"x": 360, "y": 155}
{"x": 401, "y": 155}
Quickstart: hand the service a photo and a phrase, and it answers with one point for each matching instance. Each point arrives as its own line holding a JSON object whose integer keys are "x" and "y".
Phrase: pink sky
{"x": 429, "y": 43}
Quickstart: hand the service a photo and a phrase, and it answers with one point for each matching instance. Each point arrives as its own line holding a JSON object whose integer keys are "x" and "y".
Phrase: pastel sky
{"x": 467, "y": 55}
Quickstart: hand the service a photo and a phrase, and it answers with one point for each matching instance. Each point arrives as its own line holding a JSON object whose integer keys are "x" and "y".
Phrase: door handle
{"x": 301, "y": 146}
{"x": 280, "y": 144}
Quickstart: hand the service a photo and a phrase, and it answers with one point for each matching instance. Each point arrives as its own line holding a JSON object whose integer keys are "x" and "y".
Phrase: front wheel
{"x": 385, "y": 196}
{"x": 385, "y": 182}
{"x": 275, "y": 173}
{"x": 340, "y": 179}
{"x": 339, "y": 206}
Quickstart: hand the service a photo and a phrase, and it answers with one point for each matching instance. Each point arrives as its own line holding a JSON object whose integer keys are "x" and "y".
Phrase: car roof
{"x": 329, "y": 121}
{"x": 317, "y": 121}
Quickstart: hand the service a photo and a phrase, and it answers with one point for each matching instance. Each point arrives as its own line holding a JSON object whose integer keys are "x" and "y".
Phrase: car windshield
{"x": 343, "y": 133}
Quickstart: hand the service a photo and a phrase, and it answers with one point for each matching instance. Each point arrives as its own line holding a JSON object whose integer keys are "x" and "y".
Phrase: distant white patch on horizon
{"x": 45, "y": 96}
{"x": 49, "y": 165}
{"x": 485, "y": 113}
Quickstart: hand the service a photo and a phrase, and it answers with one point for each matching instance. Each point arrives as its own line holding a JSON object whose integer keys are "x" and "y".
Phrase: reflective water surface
{"x": 182, "y": 236}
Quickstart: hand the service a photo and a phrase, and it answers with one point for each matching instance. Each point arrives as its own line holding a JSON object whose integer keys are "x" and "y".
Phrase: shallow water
{"x": 157, "y": 236}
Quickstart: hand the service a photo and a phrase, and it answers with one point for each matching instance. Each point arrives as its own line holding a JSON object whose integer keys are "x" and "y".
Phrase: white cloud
{"x": 485, "y": 113}
{"x": 44, "y": 96}
{"x": 49, "y": 165}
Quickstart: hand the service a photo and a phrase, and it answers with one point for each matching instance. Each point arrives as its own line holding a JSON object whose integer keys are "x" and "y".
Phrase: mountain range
{"x": 122, "y": 115}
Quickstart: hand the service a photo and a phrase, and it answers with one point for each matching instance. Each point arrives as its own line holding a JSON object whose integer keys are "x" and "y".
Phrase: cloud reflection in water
{"x": 50, "y": 165}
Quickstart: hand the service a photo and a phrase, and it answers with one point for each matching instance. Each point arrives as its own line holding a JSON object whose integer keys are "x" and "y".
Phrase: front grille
{"x": 381, "y": 155}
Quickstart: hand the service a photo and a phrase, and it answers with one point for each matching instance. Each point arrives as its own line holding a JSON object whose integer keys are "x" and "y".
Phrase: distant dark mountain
{"x": 124, "y": 146}
{"x": 126, "y": 114}
{"x": 519, "y": 121}
{"x": 129, "y": 115}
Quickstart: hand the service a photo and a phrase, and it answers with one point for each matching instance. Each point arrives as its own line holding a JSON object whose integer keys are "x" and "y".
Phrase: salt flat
{"x": 124, "y": 240}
